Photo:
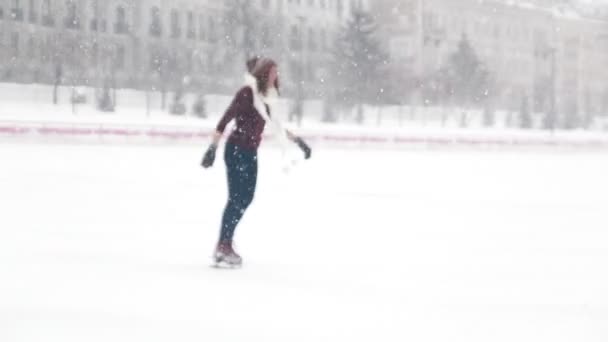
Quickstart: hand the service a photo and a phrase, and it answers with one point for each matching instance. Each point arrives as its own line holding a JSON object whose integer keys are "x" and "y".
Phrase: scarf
{"x": 260, "y": 101}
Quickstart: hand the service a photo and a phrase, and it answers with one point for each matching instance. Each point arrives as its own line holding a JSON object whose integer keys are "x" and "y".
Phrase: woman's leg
{"x": 242, "y": 178}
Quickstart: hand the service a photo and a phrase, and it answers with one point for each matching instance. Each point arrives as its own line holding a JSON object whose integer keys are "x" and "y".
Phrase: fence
{"x": 38, "y": 131}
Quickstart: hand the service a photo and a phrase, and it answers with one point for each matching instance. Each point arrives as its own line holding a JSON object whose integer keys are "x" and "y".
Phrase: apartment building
{"x": 531, "y": 50}
{"x": 146, "y": 42}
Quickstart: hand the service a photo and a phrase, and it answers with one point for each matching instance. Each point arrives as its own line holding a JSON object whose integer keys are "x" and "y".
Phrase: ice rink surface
{"x": 113, "y": 243}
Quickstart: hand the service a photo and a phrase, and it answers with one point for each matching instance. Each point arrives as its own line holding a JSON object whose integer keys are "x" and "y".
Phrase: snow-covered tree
{"x": 465, "y": 78}
{"x": 359, "y": 63}
{"x": 242, "y": 28}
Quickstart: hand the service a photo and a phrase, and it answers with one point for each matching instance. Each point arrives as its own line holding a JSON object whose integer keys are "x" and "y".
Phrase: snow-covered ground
{"x": 113, "y": 243}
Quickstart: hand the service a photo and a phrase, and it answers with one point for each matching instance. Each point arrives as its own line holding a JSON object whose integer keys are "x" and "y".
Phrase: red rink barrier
{"x": 117, "y": 133}
{"x": 13, "y": 130}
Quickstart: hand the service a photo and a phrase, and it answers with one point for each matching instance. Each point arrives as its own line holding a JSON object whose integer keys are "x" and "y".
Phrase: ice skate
{"x": 226, "y": 257}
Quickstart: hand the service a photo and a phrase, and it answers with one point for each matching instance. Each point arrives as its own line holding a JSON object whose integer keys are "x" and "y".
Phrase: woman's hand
{"x": 209, "y": 156}
{"x": 303, "y": 146}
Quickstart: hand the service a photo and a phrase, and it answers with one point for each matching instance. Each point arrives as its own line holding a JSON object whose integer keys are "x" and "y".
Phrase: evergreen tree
{"x": 466, "y": 78}
{"x": 359, "y": 63}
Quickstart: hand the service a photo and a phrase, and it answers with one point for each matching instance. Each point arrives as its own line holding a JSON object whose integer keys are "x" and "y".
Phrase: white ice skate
{"x": 226, "y": 257}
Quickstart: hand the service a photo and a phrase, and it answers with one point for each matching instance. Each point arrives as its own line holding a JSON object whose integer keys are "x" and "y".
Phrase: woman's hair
{"x": 251, "y": 62}
{"x": 261, "y": 72}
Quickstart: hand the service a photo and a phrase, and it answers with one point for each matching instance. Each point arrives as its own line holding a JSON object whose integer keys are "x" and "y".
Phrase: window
{"x": 98, "y": 23}
{"x": 44, "y": 47}
{"x": 310, "y": 72}
{"x": 279, "y": 6}
{"x": 266, "y": 37}
{"x": 17, "y": 11}
{"x": 1, "y": 13}
{"x": 201, "y": 27}
{"x": 312, "y": 41}
{"x": 265, "y": 3}
{"x": 175, "y": 25}
{"x": 322, "y": 39}
{"x": 339, "y": 7}
{"x": 15, "y": 44}
{"x": 119, "y": 61}
{"x": 191, "y": 31}
{"x": 294, "y": 39}
{"x": 47, "y": 13}
{"x": 156, "y": 28}
{"x": 33, "y": 15}
{"x": 95, "y": 53}
{"x": 71, "y": 18}
{"x": 31, "y": 48}
{"x": 212, "y": 35}
{"x": 157, "y": 61}
{"x": 121, "y": 26}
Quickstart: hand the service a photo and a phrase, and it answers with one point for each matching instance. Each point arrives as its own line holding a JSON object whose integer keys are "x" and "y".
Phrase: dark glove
{"x": 305, "y": 148}
{"x": 209, "y": 156}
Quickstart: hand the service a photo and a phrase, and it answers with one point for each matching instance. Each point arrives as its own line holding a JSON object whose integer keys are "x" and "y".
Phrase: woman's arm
{"x": 242, "y": 99}
{"x": 217, "y": 136}
{"x": 290, "y": 135}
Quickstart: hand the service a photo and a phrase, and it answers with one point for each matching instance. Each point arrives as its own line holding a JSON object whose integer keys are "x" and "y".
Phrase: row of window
{"x": 35, "y": 48}
{"x": 71, "y": 20}
{"x": 16, "y": 11}
{"x": 206, "y": 30}
{"x": 121, "y": 26}
{"x": 439, "y": 23}
{"x": 315, "y": 40}
{"x": 338, "y": 5}
{"x": 434, "y": 23}
{"x": 310, "y": 3}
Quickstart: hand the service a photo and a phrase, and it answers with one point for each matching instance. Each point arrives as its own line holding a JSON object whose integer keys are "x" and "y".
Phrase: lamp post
{"x": 300, "y": 74}
{"x": 299, "y": 71}
{"x": 553, "y": 98}
{"x": 551, "y": 52}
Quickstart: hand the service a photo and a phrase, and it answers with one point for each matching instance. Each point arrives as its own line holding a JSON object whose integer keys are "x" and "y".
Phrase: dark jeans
{"x": 242, "y": 167}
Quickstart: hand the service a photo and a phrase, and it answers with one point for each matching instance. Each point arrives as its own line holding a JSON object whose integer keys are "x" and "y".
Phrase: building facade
{"x": 155, "y": 43}
{"x": 532, "y": 51}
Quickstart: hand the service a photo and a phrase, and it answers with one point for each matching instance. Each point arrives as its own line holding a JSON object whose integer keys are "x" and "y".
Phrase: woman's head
{"x": 265, "y": 72}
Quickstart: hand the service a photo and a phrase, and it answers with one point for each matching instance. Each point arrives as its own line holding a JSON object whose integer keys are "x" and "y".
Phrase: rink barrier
{"x": 125, "y": 133}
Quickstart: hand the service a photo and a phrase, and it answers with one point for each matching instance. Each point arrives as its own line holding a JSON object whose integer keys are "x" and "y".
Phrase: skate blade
{"x": 225, "y": 265}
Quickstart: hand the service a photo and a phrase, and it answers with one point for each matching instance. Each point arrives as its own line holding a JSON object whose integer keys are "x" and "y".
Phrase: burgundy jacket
{"x": 249, "y": 123}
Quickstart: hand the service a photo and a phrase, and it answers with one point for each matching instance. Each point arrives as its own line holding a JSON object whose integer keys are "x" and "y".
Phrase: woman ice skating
{"x": 251, "y": 111}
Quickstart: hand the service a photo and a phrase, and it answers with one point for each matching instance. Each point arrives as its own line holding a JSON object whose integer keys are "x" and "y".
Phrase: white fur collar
{"x": 260, "y": 102}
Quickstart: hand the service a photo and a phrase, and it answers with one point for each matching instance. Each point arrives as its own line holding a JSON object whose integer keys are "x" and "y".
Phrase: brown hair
{"x": 261, "y": 72}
